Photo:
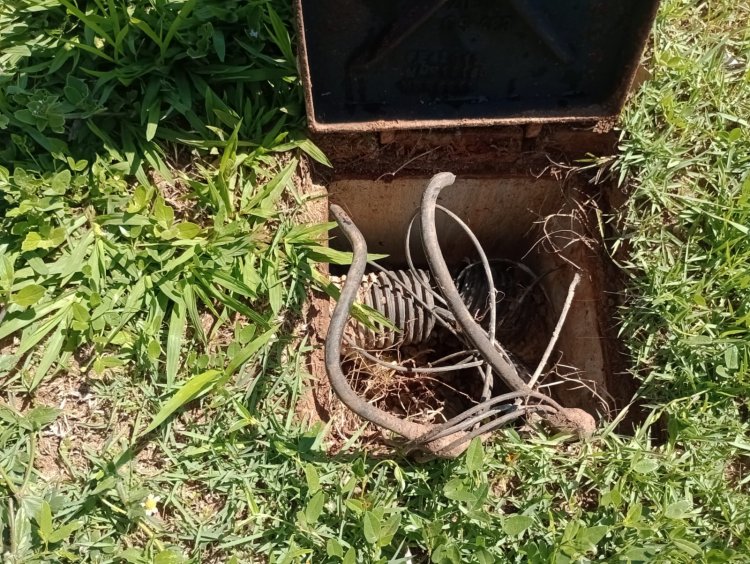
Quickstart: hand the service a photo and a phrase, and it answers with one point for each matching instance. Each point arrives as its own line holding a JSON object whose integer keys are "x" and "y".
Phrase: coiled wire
{"x": 406, "y": 299}
{"x": 396, "y": 295}
{"x": 518, "y": 296}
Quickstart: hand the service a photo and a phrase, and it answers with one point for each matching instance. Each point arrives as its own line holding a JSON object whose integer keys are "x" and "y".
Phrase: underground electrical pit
{"x": 429, "y": 377}
{"x": 510, "y": 97}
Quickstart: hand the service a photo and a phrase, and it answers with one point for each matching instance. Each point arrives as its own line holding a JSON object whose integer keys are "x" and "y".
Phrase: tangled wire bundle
{"x": 411, "y": 302}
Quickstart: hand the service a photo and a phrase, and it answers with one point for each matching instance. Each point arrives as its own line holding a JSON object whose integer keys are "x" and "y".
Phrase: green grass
{"x": 152, "y": 272}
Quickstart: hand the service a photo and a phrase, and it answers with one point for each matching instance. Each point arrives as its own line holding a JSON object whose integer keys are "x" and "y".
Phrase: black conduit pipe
{"x": 339, "y": 320}
{"x": 498, "y": 360}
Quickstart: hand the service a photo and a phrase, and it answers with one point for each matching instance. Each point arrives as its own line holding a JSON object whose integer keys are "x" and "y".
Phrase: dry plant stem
{"x": 369, "y": 377}
{"x": 556, "y": 333}
{"x": 407, "y": 163}
{"x": 590, "y": 386}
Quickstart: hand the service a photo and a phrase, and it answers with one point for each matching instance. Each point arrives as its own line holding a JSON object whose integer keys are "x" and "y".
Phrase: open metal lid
{"x": 375, "y": 65}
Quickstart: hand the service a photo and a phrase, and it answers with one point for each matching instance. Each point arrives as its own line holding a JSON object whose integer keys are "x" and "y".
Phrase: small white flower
{"x": 149, "y": 505}
{"x": 254, "y": 33}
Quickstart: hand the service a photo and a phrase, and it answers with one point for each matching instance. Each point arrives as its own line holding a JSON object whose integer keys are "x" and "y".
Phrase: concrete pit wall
{"x": 508, "y": 214}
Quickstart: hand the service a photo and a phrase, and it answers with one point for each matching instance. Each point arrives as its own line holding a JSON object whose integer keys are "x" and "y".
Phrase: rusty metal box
{"x": 509, "y": 95}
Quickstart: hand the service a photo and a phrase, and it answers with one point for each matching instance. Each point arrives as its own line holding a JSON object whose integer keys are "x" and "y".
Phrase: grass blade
{"x": 10, "y": 327}
{"x": 184, "y": 12}
{"x": 154, "y": 113}
{"x": 273, "y": 189}
{"x": 174, "y": 342}
{"x": 190, "y": 390}
{"x": 237, "y": 306}
{"x": 51, "y": 353}
{"x": 280, "y": 35}
{"x": 86, "y": 20}
{"x": 192, "y": 310}
{"x": 249, "y": 350}
{"x": 148, "y": 30}
{"x": 33, "y": 335}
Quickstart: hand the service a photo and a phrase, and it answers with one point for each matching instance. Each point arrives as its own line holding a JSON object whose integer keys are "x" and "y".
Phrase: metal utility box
{"x": 509, "y": 95}
{"x": 389, "y": 64}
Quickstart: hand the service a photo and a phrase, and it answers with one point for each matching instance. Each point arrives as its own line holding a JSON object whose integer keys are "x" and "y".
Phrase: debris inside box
{"x": 448, "y": 352}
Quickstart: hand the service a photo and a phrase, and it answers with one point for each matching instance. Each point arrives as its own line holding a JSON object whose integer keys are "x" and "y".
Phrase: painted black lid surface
{"x": 445, "y": 61}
